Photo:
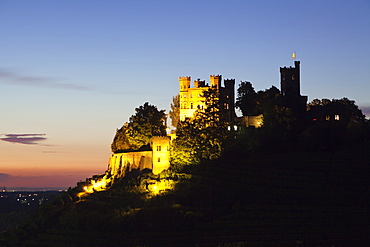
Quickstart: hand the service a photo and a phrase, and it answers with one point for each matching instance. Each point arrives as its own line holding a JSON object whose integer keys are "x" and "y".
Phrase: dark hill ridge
{"x": 289, "y": 199}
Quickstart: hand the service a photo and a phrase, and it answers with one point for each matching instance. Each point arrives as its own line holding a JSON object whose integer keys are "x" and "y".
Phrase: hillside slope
{"x": 289, "y": 199}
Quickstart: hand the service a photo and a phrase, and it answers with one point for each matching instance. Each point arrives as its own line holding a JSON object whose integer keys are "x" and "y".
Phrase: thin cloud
{"x": 28, "y": 139}
{"x": 10, "y": 77}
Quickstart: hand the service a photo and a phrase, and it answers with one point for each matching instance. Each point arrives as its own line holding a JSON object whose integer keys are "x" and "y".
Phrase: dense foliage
{"x": 202, "y": 137}
{"x": 147, "y": 122}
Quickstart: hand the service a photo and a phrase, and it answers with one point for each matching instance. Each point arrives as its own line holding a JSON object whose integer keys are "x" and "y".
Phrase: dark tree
{"x": 246, "y": 98}
{"x": 174, "y": 113}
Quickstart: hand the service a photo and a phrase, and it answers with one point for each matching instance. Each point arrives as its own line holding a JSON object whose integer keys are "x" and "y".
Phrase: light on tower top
{"x": 293, "y": 55}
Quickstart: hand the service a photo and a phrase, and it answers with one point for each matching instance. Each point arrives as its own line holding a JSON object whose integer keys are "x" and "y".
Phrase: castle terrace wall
{"x": 121, "y": 163}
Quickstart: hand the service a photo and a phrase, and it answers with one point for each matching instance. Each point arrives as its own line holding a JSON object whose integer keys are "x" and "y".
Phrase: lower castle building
{"x": 157, "y": 159}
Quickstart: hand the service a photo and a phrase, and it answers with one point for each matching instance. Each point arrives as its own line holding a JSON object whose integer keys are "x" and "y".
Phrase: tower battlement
{"x": 290, "y": 80}
{"x": 184, "y": 82}
{"x": 184, "y": 77}
{"x": 229, "y": 83}
{"x": 160, "y": 138}
{"x": 215, "y": 81}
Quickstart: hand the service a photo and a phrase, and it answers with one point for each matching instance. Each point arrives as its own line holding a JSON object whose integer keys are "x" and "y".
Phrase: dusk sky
{"x": 71, "y": 72}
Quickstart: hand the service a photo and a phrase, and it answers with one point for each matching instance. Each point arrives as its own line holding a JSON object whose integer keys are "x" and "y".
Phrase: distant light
{"x": 293, "y": 55}
{"x": 314, "y": 119}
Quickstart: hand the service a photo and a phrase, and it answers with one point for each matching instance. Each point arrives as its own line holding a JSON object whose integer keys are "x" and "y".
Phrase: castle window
{"x": 191, "y": 95}
{"x": 336, "y": 117}
{"x": 159, "y": 159}
{"x": 327, "y": 118}
{"x": 159, "y": 148}
{"x": 184, "y": 95}
{"x": 226, "y": 106}
{"x": 292, "y": 77}
{"x": 191, "y": 105}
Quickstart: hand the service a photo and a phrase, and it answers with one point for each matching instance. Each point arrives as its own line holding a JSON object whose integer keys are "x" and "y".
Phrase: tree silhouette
{"x": 246, "y": 98}
{"x": 174, "y": 113}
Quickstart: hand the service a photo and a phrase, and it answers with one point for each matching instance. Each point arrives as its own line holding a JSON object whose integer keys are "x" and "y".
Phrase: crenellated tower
{"x": 290, "y": 81}
{"x": 215, "y": 81}
{"x": 184, "y": 82}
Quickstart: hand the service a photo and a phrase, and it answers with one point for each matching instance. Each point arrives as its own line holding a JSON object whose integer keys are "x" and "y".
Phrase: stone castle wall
{"x": 121, "y": 163}
{"x": 156, "y": 160}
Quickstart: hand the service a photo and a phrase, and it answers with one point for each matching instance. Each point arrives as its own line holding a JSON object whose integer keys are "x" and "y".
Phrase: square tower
{"x": 161, "y": 153}
{"x": 290, "y": 80}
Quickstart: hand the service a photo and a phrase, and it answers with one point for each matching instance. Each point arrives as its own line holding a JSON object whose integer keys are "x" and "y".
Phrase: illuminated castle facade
{"x": 191, "y": 98}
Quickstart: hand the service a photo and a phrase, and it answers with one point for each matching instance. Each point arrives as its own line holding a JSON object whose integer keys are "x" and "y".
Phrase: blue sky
{"x": 71, "y": 72}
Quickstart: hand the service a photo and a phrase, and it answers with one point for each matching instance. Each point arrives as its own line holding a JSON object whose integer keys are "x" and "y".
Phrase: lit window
{"x": 336, "y": 117}
{"x": 159, "y": 159}
{"x": 158, "y": 148}
{"x": 327, "y": 117}
{"x": 184, "y": 95}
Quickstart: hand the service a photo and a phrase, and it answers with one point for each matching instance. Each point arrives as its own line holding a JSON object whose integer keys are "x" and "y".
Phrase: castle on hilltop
{"x": 156, "y": 158}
